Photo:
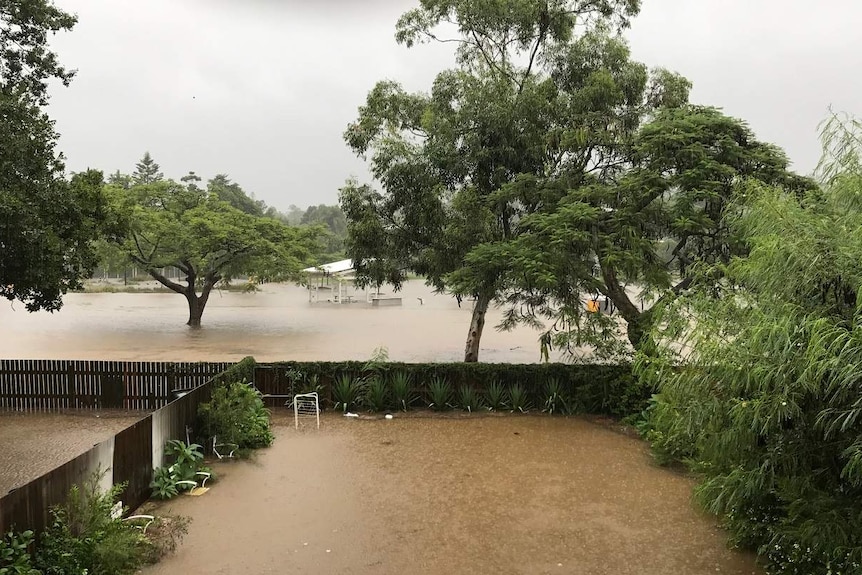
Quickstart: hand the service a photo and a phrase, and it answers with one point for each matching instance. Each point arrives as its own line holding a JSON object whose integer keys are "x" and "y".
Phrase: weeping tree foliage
{"x": 760, "y": 373}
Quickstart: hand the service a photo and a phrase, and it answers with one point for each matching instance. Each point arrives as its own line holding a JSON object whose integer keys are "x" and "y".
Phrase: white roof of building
{"x": 338, "y": 267}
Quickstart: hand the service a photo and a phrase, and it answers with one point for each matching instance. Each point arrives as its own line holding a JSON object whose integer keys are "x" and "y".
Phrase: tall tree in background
{"x": 147, "y": 171}
{"x": 46, "y": 223}
{"x": 227, "y": 191}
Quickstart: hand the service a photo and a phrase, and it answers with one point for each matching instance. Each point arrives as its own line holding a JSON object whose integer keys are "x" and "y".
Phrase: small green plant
{"x": 164, "y": 484}
{"x": 376, "y": 397}
{"x": 400, "y": 385}
{"x": 495, "y": 396}
{"x": 15, "y": 556}
{"x": 439, "y": 394}
{"x": 518, "y": 398}
{"x": 187, "y": 460}
{"x": 555, "y": 402}
{"x": 468, "y": 399}
{"x": 346, "y": 392}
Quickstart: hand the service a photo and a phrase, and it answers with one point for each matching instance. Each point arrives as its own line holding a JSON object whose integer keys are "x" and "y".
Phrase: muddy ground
{"x": 32, "y": 444}
{"x": 512, "y": 494}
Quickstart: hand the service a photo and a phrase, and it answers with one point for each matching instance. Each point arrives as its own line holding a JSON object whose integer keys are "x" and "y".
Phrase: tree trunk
{"x": 197, "y": 303}
{"x": 196, "y": 309}
{"x": 477, "y": 324}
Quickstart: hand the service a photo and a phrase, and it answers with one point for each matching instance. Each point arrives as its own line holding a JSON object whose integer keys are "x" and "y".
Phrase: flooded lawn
{"x": 508, "y": 494}
{"x": 34, "y": 444}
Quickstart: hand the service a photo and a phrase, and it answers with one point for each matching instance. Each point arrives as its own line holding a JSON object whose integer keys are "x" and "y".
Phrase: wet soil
{"x": 513, "y": 494}
{"x": 32, "y": 444}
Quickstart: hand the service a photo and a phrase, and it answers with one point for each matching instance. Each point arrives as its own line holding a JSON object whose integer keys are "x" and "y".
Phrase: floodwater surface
{"x": 277, "y": 323}
{"x": 454, "y": 495}
{"x": 33, "y": 444}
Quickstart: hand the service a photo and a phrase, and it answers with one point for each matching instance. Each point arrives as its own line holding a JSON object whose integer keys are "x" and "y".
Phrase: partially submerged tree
{"x": 47, "y": 224}
{"x": 206, "y": 239}
{"x": 759, "y": 374}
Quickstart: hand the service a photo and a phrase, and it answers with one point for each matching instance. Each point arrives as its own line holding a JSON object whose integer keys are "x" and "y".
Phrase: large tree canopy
{"x": 546, "y": 168}
{"x": 47, "y": 224}
{"x": 206, "y": 239}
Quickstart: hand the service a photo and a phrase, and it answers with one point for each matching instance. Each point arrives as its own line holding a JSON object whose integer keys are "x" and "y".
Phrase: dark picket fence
{"x": 55, "y": 385}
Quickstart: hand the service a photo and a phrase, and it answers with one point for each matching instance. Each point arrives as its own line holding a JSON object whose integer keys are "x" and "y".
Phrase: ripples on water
{"x": 277, "y": 323}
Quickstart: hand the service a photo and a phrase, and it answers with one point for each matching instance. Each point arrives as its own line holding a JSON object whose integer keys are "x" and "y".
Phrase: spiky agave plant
{"x": 439, "y": 394}
{"x": 346, "y": 392}
{"x": 495, "y": 396}
{"x": 399, "y": 383}
{"x": 468, "y": 399}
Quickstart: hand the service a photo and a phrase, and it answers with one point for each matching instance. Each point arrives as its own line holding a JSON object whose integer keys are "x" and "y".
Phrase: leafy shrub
{"x": 347, "y": 391}
{"x": 439, "y": 394}
{"x": 86, "y": 539}
{"x": 518, "y": 398}
{"x": 468, "y": 399}
{"x": 495, "y": 396}
{"x": 15, "y": 556}
{"x": 236, "y": 414}
{"x": 376, "y": 397}
{"x": 400, "y": 382}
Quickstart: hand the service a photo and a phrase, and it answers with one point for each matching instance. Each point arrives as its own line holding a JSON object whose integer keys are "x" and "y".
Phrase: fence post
{"x": 70, "y": 385}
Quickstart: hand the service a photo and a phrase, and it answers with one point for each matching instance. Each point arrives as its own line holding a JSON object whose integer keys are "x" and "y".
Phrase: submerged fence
{"x": 54, "y": 385}
{"x": 128, "y": 457}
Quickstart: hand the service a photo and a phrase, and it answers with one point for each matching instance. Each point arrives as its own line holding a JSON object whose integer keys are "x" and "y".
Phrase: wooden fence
{"x": 128, "y": 457}
{"x": 53, "y": 385}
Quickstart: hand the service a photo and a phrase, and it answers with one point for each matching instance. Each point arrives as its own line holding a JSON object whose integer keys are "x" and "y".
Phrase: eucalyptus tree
{"x": 527, "y": 72}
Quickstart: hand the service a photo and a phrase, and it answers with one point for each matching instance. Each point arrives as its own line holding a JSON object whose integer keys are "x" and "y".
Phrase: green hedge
{"x": 242, "y": 371}
{"x": 597, "y": 389}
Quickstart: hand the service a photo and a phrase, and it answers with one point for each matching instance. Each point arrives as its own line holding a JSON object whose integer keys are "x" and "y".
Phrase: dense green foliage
{"x": 204, "y": 238}
{"x": 47, "y": 224}
{"x": 15, "y": 556}
{"x": 597, "y": 389}
{"x": 85, "y": 538}
{"x": 236, "y": 414}
{"x": 759, "y": 373}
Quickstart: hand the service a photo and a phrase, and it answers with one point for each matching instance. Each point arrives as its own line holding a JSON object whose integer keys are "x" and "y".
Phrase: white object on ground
{"x": 388, "y": 416}
{"x": 348, "y": 414}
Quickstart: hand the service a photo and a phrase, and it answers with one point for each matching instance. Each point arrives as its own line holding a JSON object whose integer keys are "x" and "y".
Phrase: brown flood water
{"x": 277, "y": 323}
{"x": 34, "y": 444}
{"x": 427, "y": 495}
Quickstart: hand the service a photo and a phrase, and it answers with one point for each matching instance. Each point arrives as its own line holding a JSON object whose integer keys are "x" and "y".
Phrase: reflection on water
{"x": 277, "y": 323}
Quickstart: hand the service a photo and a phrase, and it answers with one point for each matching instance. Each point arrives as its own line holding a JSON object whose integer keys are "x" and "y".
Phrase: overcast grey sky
{"x": 263, "y": 89}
